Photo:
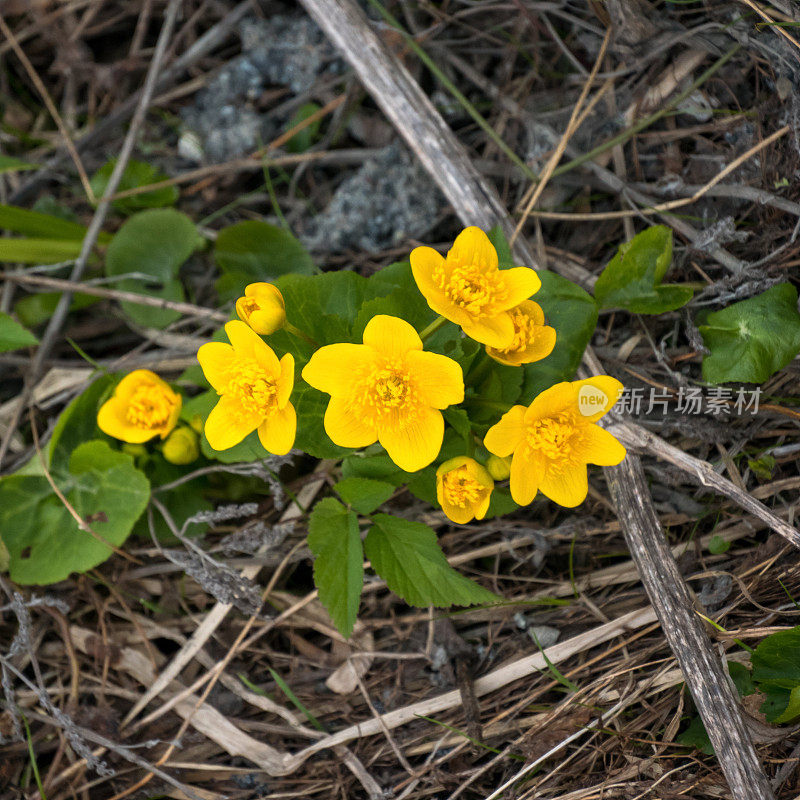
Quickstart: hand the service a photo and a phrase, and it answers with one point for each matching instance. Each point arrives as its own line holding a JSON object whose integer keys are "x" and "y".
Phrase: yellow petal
{"x": 112, "y": 420}
{"x": 559, "y": 397}
{"x": 526, "y": 476}
{"x": 493, "y": 331}
{"x": 505, "y": 436}
{"x": 266, "y": 320}
{"x": 424, "y": 262}
{"x": 543, "y": 344}
{"x": 596, "y": 396}
{"x": 598, "y": 446}
{"x": 483, "y": 506}
{"x": 345, "y": 427}
{"x": 248, "y": 344}
{"x": 480, "y": 474}
{"x": 520, "y": 283}
{"x": 392, "y": 337}
{"x": 286, "y": 380}
{"x": 277, "y": 432}
{"x": 450, "y": 465}
{"x": 228, "y": 424}
{"x": 458, "y": 514}
{"x": 568, "y": 487}
{"x": 533, "y": 310}
{"x": 133, "y": 380}
{"x": 438, "y": 379}
{"x": 414, "y": 443}
{"x": 472, "y": 246}
{"x": 332, "y": 368}
{"x": 173, "y": 417}
{"x": 215, "y": 360}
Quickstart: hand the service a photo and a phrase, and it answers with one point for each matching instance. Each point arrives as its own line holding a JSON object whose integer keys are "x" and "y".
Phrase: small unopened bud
{"x": 262, "y": 308}
{"x": 182, "y": 446}
{"x": 135, "y": 450}
{"x": 197, "y": 422}
{"x": 498, "y": 468}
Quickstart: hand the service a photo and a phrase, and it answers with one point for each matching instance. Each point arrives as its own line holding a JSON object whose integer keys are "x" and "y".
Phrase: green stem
{"x": 432, "y": 328}
{"x": 299, "y": 334}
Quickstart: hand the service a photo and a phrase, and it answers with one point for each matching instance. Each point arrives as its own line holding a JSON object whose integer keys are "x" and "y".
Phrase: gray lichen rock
{"x": 387, "y": 201}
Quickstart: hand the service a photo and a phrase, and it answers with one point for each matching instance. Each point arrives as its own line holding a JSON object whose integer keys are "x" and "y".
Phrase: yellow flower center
{"x": 461, "y": 489}
{"x": 386, "y": 390}
{"x": 469, "y": 286}
{"x": 248, "y": 305}
{"x": 524, "y": 331}
{"x": 150, "y": 407}
{"x": 254, "y": 390}
{"x": 553, "y": 437}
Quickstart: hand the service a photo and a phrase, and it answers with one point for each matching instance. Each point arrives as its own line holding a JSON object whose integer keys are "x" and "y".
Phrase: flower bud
{"x": 262, "y": 308}
{"x": 182, "y": 446}
{"x": 197, "y": 423}
{"x": 463, "y": 489}
{"x": 498, "y": 468}
{"x": 135, "y": 450}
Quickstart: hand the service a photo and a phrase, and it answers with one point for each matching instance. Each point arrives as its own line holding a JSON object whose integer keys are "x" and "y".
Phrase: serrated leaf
{"x": 407, "y": 556}
{"x": 254, "y": 251}
{"x": 135, "y": 174}
{"x": 753, "y": 339}
{"x": 334, "y": 538}
{"x": 632, "y": 279}
{"x": 157, "y": 243}
{"x": 459, "y": 421}
{"x": 364, "y": 494}
{"x": 573, "y": 313}
{"x": 44, "y": 542}
{"x": 13, "y": 336}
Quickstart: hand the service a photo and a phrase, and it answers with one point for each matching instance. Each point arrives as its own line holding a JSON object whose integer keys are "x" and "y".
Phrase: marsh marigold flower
{"x": 388, "y": 390}
{"x": 142, "y": 406}
{"x": 463, "y": 489}
{"x": 467, "y": 287}
{"x": 554, "y": 438}
{"x": 533, "y": 340}
{"x": 254, "y": 389}
{"x": 262, "y": 308}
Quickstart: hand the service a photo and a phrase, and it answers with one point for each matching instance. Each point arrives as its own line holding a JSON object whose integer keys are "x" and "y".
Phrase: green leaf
{"x": 156, "y": 243}
{"x": 310, "y": 405}
{"x": 376, "y": 466}
{"x": 573, "y": 313}
{"x": 742, "y": 679}
{"x": 77, "y": 423}
{"x": 696, "y": 736}
{"x": 13, "y": 336}
{"x": 136, "y": 174}
{"x": 404, "y": 302}
{"x": 459, "y": 421}
{"x": 39, "y": 251}
{"x": 364, "y": 494}
{"x": 717, "y": 545}
{"x": 253, "y": 251}
{"x": 43, "y": 226}
{"x": 5, "y": 559}
{"x": 334, "y": 539}
{"x": 780, "y": 704}
{"x": 407, "y": 556}
{"x": 632, "y": 279}
{"x": 44, "y": 542}
{"x": 498, "y": 239}
{"x": 303, "y": 139}
{"x": 751, "y": 340}
{"x": 35, "y": 309}
{"x": 9, "y": 164}
{"x": 776, "y": 660}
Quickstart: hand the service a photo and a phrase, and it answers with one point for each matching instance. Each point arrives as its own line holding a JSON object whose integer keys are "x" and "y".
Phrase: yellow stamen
{"x": 469, "y": 287}
{"x": 149, "y": 407}
{"x": 255, "y": 391}
{"x": 524, "y": 331}
{"x": 553, "y": 437}
{"x": 387, "y": 388}
{"x": 461, "y": 489}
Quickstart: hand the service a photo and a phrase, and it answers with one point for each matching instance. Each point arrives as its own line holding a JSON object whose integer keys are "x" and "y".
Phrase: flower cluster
{"x": 389, "y": 389}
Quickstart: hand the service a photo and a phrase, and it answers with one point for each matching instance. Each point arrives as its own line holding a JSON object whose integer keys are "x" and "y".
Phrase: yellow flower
{"x": 142, "y": 406}
{"x": 553, "y": 440}
{"x": 533, "y": 340}
{"x": 254, "y": 389}
{"x": 181, "y": 447}
{"x": 463, "y": 489}
{"x": 498, "y": 468}
{"x": 388, "y": 390}
{"x": 262, "y": 308}
{"x": 468, "y": 288}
